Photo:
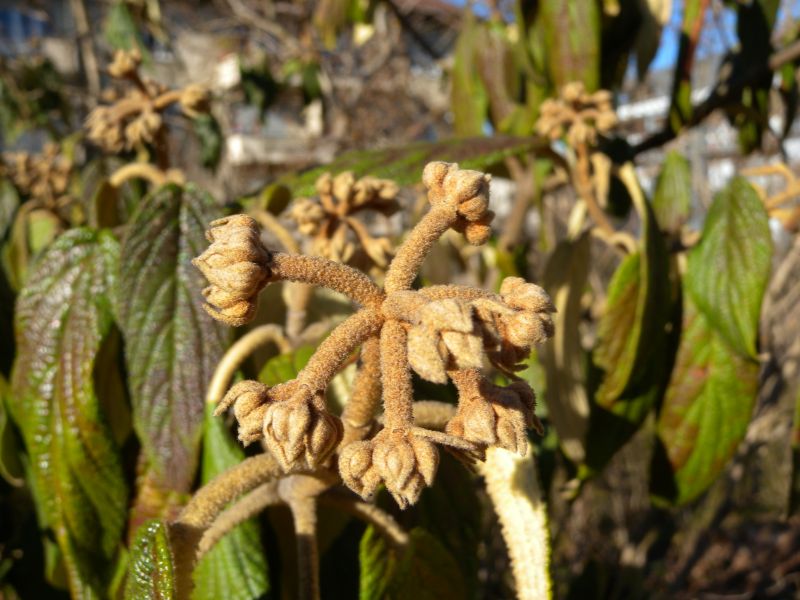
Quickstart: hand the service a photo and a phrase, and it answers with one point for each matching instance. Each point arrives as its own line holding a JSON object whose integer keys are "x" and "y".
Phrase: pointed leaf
{"x": 728, "y": 270}
{"x": 63, "y": 315}
{"x": 572, "y": 36}
{"x": 404, "y": 164}
{"x": 235, "y": 568}
{"x": 171, "y": 345}
{"x": 672, "y": 201}
{"x": 706, "y": 409}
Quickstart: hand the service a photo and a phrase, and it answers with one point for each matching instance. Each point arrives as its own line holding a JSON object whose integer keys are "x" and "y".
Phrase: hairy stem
{"x": 513, "y": 488}
{"x": 443, "y": 292}
{"x": 334, "y": 349}
{"x": 396, "y": 376}
{"x": 296, "y": 296}
{"x": 359, "y": 412}
{"x": 382, "y": 521}
{"x": 237, "y": 354}
{"x": 138, "y": 170}
{"x": 304, "y": 514}
{"x": 408, "y": 260}
{"x": 251, "y": 505}
{"x": 319, "y": 271}
{"x": 206, "y": 505}
{"x": 582, "y": 180}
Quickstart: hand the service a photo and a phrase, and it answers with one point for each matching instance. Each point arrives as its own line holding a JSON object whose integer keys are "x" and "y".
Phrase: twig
{"x": 721, "y": 96}
{"x": 91, "y": 67}
{"x": 379, "y": 519}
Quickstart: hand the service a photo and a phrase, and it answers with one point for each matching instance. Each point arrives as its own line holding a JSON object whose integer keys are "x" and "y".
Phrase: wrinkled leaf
{"x": 63, "y": 315}
{"x": 422, "y": 570}
{"x": 672, "y": 200}
{"x": 728, "y": 270}
{"x": 404, "y": 164}
{"x": 284, "y": 367}
{"x": 171, "y": 345}
{"x": 563, "y": 357}
{"x": 235, "y": 568}
{"x": 151, "y": 574}
{"x": 706, "y": 409}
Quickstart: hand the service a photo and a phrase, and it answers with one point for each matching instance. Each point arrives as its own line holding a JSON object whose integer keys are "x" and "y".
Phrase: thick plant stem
{"x": 396, "y": 377}
{"x": 408, "y": 260}
{"x": 379, "y": 519}
{"x": 359, "y": 412}
{"x": 322, "y": 272}
{"x": 443, "y": 292}
{"x": 513, "y": 488}
{"x": 334, "y": 349}
{"x": 252, "y": 504}
{"x": 238, "y": 352}
{"x": 145, "y": 171}
{"x": 204, "y": 507}
{"x": 304, "y": 514}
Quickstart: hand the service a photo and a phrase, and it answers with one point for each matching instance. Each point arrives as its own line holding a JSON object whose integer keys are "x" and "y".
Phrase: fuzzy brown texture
{"x": 577, "y": 115}
{"x": 331, "y": 220}
{"x": 459, "y": 199}
{"x": 441, "y": 332}
{"x": 359, "y": 413}
{"x": 44, "y": 177}
{"x": 491, "y": 415}
{"x": 322, "y": 272}
{"x": 237, "y": 266}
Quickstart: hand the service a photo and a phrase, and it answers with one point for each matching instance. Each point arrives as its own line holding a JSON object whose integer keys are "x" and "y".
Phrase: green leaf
{"x": 63, "y": 315}
{"x": 454, "y": 517}
{"x": 705, "y": 412}
{"x": 377, "y": 563}
{"x": 468, "y": 98}
{"x": 207, "y": 130}
{"x": 235, "y": 568}
{"x": 9, "y": 202}
{"x": 284, "y": 367}
{"x": 672, "y": 200}
{"x": 151, "y": 574}
{"x": 120, "y": 30}
{"x": 728, "y": 270}
{"x": 572, "y": 38}
{"x": 10, "y": 464}
{"x": 423, "y": 570}
{"x": 404, "y": 164}
{"x": 171, "y": 345}
{"x": 563, "y": 358}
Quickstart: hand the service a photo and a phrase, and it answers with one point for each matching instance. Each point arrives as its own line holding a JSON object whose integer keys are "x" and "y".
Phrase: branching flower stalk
{"x": 442, "y": 333}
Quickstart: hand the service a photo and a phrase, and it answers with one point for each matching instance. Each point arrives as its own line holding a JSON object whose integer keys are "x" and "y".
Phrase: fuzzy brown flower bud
{"x": 444, "y": 337}
{"x": 404, "y": 462}
{"x": 300, "y": 432}
{"x": 125, "y": 63}
{"x": 467, "y": 191}
{"x": 249, "y": 400}
{"x": 492, "y": 415}
{"x": 236, "y": 265}
{"x": 195, "y": 100}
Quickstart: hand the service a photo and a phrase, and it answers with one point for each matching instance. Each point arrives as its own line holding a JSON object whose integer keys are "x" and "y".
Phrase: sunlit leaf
{"x": 728, "y": 270}
{"x": 468, "y": 97}
{"x": 63, "y": 314}
{"x": 563, "y": 357}
{"x": 572, "y": 36}
{"x": 404, "y": 164}
{"x": 672, "y": 200}
{"x": 171, "y": 345}
{"x": 705, "y": 412}
{"x": 424, "y": 569}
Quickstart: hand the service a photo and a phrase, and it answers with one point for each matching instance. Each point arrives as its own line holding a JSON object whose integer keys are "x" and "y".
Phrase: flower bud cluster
{"x": 292, "y": 421}
{"x": 337, "y": 234}
{"x": 468, "y": 191}
{"x": 236, "y": 265}
{"x": 403, "y": 462}
{"x": 577, "y": 115}
{"x": 44, "y": 176}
